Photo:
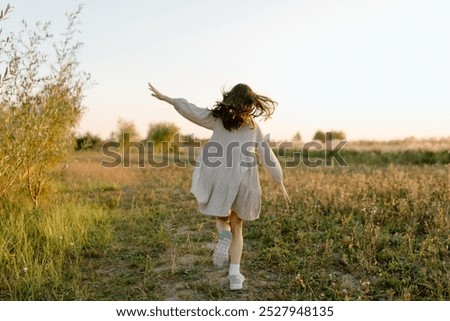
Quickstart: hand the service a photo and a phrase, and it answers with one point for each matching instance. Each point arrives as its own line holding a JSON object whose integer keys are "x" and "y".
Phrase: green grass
{"x": 374, "y": 157}
{"x": 362, "y": 233}
{"x": 371, "y": 231}
{"x": 41, "y": 249}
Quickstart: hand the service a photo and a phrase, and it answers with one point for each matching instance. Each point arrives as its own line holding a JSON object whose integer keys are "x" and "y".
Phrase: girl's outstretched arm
{"x": 157, "y": 94}
{"x": 197, "y": 115}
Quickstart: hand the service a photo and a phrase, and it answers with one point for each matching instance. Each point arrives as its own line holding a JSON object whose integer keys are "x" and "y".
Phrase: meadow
{"x": 375, "y": 230}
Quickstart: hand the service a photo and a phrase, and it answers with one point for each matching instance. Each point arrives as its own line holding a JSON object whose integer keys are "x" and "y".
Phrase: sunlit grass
{"x": 365, "y": 232}
{"x": 41, "y": 248}
{"x": 360, "y": 233}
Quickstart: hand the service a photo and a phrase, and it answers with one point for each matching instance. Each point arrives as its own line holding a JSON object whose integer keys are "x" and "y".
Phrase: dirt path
{"x": 163, "y": 252}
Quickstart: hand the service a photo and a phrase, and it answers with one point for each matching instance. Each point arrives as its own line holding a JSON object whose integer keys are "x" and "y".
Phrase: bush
{"x": 88, "y": 141}
{"x": 322, "y": 137}
{"x": 297, "y": 137}
{"x": 40, "y": 103}
{"x": 161, "y": 132}
{"x": 126, "y": 133}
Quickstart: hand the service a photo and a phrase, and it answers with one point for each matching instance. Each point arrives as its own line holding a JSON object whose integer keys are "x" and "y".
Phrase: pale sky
{"x": 376, "y": 69}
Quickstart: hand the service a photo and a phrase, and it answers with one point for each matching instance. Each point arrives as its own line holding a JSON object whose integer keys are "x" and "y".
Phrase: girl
{"x": 225, "y": 180}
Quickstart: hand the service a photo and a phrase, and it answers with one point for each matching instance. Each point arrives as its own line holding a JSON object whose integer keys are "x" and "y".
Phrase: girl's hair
{"x": 240, "y": 105}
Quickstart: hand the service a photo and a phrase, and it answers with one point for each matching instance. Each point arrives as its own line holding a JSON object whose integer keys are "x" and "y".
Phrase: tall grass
{"x": 360, "y": 233}
{"x": 368, "y": 231}
{"x": 41, "y": 248}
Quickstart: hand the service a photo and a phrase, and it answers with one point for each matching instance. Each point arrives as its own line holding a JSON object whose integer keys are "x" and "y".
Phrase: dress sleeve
{"x": 197, "y": 115}
{"x": 268, "y": 158}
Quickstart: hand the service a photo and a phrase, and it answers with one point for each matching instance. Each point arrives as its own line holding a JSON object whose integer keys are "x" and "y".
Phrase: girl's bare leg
{"x": 223, "y": 224}
{"x": 237, "y": 240}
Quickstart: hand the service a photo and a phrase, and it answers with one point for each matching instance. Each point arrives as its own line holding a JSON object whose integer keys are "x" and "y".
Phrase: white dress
{"x": 225, "y": 176}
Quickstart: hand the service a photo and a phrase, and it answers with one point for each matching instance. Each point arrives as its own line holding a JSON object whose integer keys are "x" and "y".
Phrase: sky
{"x": 375, "y": 69}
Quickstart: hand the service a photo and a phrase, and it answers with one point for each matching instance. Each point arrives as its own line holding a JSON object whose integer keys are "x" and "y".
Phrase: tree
{"x": 330, "y": 135}
{"x": 320, "y": 136}
{"x": 297, "y": 137}
{"x": 335, "y": 135}
{"x": 40, "y": 104}
{"x": 161, "y": 132}
{"x": 126, "y": 132}
{"x": 338, "y": 135}
{"x": 87, "y": 141}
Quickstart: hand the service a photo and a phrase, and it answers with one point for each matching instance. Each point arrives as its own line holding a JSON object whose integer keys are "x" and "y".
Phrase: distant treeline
{"x": 351, "y": 156}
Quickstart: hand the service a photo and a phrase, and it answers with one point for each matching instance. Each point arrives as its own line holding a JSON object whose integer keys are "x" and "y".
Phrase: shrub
{"x": 88, "y": 141}
{"x": 320, "y": 136}
{"x": 40, "y": 103}
{"x": 161, "y": 132}
{"x": 330, "y": 135}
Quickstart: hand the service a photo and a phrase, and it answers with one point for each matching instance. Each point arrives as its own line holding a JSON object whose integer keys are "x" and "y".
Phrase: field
{"x": 375, "y": 230}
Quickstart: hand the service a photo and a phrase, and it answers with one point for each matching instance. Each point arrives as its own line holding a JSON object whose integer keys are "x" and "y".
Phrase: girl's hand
{"x": 285, "y": 194}
{"x": 158, "y": 95}
{"x": 155, "y": 92}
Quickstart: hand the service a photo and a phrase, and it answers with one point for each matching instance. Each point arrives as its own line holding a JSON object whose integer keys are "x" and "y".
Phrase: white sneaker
{"x": 220, "y": 256}
{"x": 236, "y": 281}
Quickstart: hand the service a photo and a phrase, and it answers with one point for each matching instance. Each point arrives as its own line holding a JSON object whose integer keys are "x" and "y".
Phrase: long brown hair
{"x": 240, "y": 105}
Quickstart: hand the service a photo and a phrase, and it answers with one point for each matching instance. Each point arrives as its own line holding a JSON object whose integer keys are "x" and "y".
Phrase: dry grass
{"x": 368, "y": 231}
{"x": 407, "y": 144}
{"x": 399, "y": 145}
